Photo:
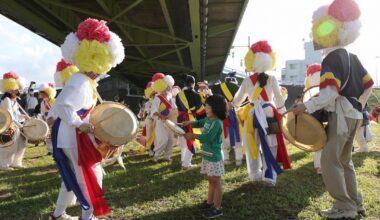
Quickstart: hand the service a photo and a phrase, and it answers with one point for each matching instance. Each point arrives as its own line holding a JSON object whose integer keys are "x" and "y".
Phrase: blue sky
{"x": 286, "y": 23}
{"x": 284, "y": 26}
{"x": 26, "y": 53}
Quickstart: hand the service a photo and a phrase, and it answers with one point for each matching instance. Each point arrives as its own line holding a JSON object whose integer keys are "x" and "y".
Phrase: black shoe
{"x": 212, "y": 213}
{"x": 204, "y": 205}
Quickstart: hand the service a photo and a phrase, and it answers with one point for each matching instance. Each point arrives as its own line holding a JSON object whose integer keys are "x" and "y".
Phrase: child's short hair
{"x": 218, "y": 105}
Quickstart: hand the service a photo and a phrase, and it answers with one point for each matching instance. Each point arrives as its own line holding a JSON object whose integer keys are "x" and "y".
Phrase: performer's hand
{"x": 190, "y": 136}
{"x": 163, "y": 117}
{"x": 298, "y": 109}
{"x": 185, "y": 123}
{"x": 87, "y": 128}
{"x": 229, "y": 106}
{"x": 50, "y": 121}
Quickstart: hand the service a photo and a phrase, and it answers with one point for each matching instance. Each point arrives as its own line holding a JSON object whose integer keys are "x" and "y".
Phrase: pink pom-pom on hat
{"x": 261, "y": 46}
{"x": 93, "y": 29}
{"x": 313, "y": 68}
{"x": 62, "y": 64}
{"x": 51, "y": 85}
{"x": 10, "y": 75}
{"x": 157, "y": 76}
{"x": 149, "y": 85}
{"x": 344, "y": 10}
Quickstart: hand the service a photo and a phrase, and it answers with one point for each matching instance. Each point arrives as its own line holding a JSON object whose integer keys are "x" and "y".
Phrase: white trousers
{"x": 317, "y": 159}
{"x": 362, "y": 139}
{"x": 49, "y": 145}
{"x": 13, "y": 155}
{"x": 186, "y": 155}
{"x": 163, "y": 141}
{"x": 66, "y": 198}
{"x": 256, "y": 168}
{"x": 226, "y": 146}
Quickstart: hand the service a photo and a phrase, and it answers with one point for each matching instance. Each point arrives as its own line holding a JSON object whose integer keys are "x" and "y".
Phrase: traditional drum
{"x": 305, "y": 131}
{"x": 7, "y": 137}
{"x": 114, "y": 123}
{"x": 5, "y": 120}
{"x": 35, "y": 130}
{"x": 174, "y": 127}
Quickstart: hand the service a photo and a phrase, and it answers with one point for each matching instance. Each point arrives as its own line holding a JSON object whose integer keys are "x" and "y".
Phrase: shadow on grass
{"x": 149, "y": 181}
{"x": 294, "y": 191}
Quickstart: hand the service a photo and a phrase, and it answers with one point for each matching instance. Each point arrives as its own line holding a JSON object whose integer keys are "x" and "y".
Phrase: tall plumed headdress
{"x": 93, "y": 47}
{"x": 161, "y": 82}
{"x": 63, "y": 72}
{"x": 260, "y": 58}
{"x": 49, "y": 89}
{"x": 11, "y": 81}
{"x": 336, "y": 24}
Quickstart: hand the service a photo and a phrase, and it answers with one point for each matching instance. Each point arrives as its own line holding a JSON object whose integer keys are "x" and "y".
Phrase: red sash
{"x": 88, "y": 156}
{"x": 166, "y": 102}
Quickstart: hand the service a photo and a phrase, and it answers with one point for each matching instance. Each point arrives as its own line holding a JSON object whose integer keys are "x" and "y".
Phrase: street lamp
{"x": 377, "y": 77}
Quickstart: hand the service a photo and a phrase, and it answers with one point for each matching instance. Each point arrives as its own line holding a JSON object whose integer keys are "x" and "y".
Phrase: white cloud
{"x": 26, "y": 53}
{"x": 285, "y": 23}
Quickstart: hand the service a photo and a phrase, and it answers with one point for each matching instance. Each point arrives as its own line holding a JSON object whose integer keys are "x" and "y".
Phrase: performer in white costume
{"x": 312, "y": 80}
{"x": 47, "y": 94}
{"x": 264, "y": 147}
{"x": 163, "y": 108}
{"x": 94, "y": 50}
{"x": 12, "y": 156}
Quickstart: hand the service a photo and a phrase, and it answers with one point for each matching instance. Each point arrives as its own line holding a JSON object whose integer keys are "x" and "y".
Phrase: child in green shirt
{"x": 212, "y": 156}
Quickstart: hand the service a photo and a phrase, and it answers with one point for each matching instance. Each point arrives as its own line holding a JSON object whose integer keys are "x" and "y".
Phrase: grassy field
{"x": 148, "y": 190}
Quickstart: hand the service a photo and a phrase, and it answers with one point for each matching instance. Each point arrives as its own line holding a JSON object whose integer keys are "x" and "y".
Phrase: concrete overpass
{"x": 170, "y": 36}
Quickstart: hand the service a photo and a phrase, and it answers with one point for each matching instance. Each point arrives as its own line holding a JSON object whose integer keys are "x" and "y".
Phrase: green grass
{"x": 147, "y": 190}
{"x": 373, "y": 101}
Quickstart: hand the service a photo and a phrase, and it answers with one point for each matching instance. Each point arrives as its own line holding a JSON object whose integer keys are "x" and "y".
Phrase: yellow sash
{"x": 151, "y": 136}
{"x": 254, "y": 150}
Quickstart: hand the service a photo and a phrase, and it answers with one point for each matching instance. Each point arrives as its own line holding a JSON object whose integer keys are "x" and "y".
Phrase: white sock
{"x": 87, "y": 214}
{"x": 59, "y": 210}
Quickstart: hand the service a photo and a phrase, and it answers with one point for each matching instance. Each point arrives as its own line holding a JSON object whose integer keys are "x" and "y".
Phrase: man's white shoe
{"x": 333, "y": 213}
{"x": 64, "y": 216}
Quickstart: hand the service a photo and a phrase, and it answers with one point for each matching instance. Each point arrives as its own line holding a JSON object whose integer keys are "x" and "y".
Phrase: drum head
{"x": 311, "y": 92}
{"x": 35, "y": 129}
{"x": 304, "y": 131}
{"x": 114, "y": 123}
{"x": 5, "y": 120}
{"x": 174, "y": 127}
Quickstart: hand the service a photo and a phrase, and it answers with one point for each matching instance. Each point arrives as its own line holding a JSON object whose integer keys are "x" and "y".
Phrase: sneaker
{"x": 239, "y": 163}
{"x": 318, "y": 170}
{"x": 92, "y": 218}
{"x": 334, "y": 213}
{"x": 19, "y": 166}
{"x": 361, "y": 210}
{"x": 363, "y": 150}
{"x": 204, "y": 205}
{"x": 6, "y": 168}
{"x": 188, "y": 167}
{"x": 64, "y": 216}
{"x": 212, "y": 213}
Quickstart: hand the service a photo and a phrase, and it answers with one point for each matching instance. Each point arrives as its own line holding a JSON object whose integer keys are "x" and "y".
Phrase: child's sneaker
{"x": 204, "y": 205}
{"x": 212, "y": 213}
